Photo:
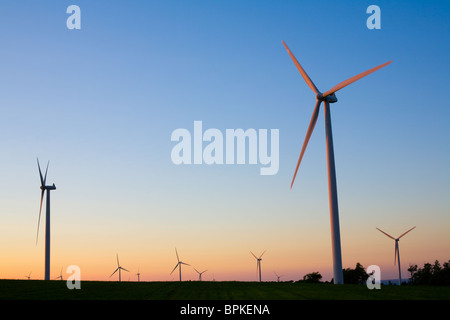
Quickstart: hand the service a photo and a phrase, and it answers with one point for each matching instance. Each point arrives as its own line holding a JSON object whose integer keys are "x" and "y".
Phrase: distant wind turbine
{"x": 327, "y": 98}
{"x": 29, "y": 276}
{"x": 397, "y": 252}
{"x": 60, "y": 276}
{"x": 278, "y": 277}
{"x": 258, "y": 263}
{"x": 47, "y": 219}
{"x": 119, "y": 268}
{"x": 138, "y": 275}
{"x": 179, "y": 263}
{"x": 200, "y": 274}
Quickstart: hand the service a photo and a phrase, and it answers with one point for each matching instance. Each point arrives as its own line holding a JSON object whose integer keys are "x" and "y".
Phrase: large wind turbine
{"x": 119, "y": 268}
{"x": 200, "y": 274}
{"x": 258, "y": 263}
{"x": 179, "y": 263}
{"x": 397, "y": 252}
{"x": 47, "y": 219}
{"x": 327, "y": 98}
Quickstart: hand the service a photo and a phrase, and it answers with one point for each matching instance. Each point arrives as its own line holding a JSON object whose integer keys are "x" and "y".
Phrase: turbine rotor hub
{"x": 331, "y": 98}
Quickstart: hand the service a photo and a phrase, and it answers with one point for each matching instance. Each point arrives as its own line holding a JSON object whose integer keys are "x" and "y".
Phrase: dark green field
{"x": 194, "y": 290}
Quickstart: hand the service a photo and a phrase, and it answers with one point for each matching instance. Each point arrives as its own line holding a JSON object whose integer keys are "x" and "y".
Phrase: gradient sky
{"x": 101, "y": 103}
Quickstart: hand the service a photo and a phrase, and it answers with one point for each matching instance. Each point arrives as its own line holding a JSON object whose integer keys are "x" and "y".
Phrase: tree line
{"x": 429, "y": 274}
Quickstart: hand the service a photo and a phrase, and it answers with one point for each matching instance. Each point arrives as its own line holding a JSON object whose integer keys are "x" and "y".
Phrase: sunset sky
{"x": 101, "y": 103}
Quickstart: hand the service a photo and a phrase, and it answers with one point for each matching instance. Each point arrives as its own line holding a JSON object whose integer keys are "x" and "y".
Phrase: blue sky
{"x": 101, "y": 103}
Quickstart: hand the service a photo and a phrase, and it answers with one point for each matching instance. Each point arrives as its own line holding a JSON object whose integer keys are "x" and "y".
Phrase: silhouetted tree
{"x": 431, "y": 274}
{"x": 355, "y": 276}
{"x": 412, "y": 270}
{"x": 313, "y": 277}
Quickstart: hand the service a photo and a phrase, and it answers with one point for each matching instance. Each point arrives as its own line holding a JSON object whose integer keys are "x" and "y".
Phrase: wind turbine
{"x": 179, "y": 263}
{"x": 139, "y": 275}
{"x": 258, "y": 263}
{"x": 327, "y": 98}
{"x": 47, "y": 219}
{"x": 278, "y": 277}
{"x": 397, "y": 252}
{"x": 200, "y": 274}
{"x": 28, "y": 277}
{"x": 119, "y": 268}
{"x": 60, "y": 276}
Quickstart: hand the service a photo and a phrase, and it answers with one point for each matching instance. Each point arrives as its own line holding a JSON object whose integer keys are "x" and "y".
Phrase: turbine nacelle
{"x": 53, "y": 187}
{"x": 331, "y": 98}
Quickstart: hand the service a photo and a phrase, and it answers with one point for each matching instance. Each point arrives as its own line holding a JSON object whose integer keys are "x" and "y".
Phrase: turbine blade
{"x": 114, "y": 272}
{"x": 254, "y": 255}
{"x": 197, "y": 271}
{"x": 45, "y": 176}
{"x": 174, "y": 268}
{"x": 39, "y": 218}
{"x": 40, "y": 173}
{"x": 395, "y": 253}
{"x": 262, "y": 254}
{"x": 302, "y": 71}
{"x": 117, "y": 256}
{"x": 185, "y": 263}
{"x": 177, "y": 254}
{"x": 312, "y": 124}
{"x": 353, "y": 79}
{"x": 386, "y": 234}
{"x": 124, "y": 269}
{"x": 405, "y": 233}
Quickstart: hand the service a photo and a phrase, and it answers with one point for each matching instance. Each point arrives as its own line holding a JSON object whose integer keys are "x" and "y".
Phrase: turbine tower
{"x": 200, "y": 274}
{"x": 397, "y": 252}
{"x": 179, "y": 263}
{"x": 119, "y": 268}
{"x": 258, "y": 263}
{"x": 327, "y": 98}
{"x": 44, "y": 188}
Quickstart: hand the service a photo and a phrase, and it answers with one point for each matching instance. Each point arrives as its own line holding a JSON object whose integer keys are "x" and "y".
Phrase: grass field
{"x": 194, "y": 290}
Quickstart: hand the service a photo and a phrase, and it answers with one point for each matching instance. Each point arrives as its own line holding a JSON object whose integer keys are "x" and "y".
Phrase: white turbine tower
{"x": 200, "y": 274}
{"x": 327, "y": 98}
{"x": 397, "y": 252}
{"x": 179, "y": 263}
{"x": 119, "y": 268}
{"x": 47, "y": 219}
{"x": 258, "y": 263}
